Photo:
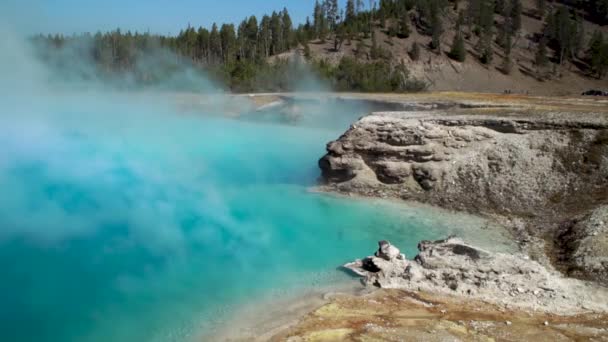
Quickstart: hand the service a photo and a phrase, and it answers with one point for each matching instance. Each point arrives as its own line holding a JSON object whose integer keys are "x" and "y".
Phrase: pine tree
{"x": 436, "y": 25}
{"x": 264, "y": 37}
{"x": 458, "y": 51}
{"x": 487, "y": 53}
{"x": 251, "y": 38}
{"x": 276, "y": 33}
{"x": 499, "y": 6}
{"x": 319, "y": 21}
{"x": 414, "y": 52}
{"x": 579, "y": 37}
{"x": 598, "y": 54}
{"x": 215, "y": 44}
{"x": 332, "y": 13}
{"x": 564, "y": 33}
{"x": 228, "y": 42}
{"x": 374, "y": 49}
{"x": 404, "y": 28}
{"x": 516, "y": 8}
{"x": 507, "y": 64}
{"x": 350, "y": 12}
{"x": 287, "y": 30}
{"x": 540, "y": 59}
{"x": 541, "y": 7}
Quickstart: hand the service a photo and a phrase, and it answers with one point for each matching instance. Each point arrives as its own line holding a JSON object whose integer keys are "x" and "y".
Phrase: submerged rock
{"x": 452, "y": 266}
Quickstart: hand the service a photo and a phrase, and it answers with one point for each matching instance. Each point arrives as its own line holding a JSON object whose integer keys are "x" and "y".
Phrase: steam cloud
{"x": 113, "y": 172}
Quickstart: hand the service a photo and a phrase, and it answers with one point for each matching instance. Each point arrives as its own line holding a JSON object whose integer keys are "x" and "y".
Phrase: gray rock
{"x": 387, "y": 251}
{"x": 585, "y": 244}
{"x": 538, "y": 169}
{"x": 452, "y": 266}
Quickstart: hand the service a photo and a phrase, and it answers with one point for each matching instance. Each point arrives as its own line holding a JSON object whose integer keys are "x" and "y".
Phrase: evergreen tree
{"x": 541, "y": 7}
{"x": 332, "y": 13}
{"x": 486, "y": 16}
{"x": 507, "y": 64}
{"x": 506, "y": 30}
{"x": 375, "y": 48}
{"x": 350, "y": 12}
{"x": 516, "y": 8}
{"x": 308, "y": 30}
{"x": 404, "y": 28}
{"x": 472, "y": 14}
{"x": 203, "y": 44}
{"x": 458, "y": 51}
{"x": 320, "y": 21}
{"x": 487, "y": 53}
{"x": 598, "y": 54}
{"x": 215, "y": 45}
{"x": 228, "y": 42}
{"x": 264, "y": 37}
{"x": 436, "y": 25}
{"x": 540, "y": 59}
{"x": 414, "y": 51}
{"x": 562, "y": 33}
{"x": 499, "y": 6}
{"x": 276, "y": 34}
{"x": 287, "y": 31}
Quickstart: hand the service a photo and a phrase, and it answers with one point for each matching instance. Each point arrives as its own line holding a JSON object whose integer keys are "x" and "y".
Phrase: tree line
{"x": 240, "y": 56}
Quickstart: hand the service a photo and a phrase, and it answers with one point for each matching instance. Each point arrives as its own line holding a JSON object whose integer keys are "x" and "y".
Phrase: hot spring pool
{"x": 155, "y": 226}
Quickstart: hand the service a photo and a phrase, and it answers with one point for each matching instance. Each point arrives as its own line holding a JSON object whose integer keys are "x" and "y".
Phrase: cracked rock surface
{"x": 454, "y": 267}
{"x": 535, "y": 171}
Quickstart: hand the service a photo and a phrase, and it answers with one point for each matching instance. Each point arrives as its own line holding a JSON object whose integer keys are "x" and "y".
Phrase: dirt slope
{"x": 443, "y": 73}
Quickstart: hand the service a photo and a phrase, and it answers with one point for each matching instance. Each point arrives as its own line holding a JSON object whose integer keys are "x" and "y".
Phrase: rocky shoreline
{"x": 453, "y": 267}
{"x": 540, "y": 174}
{"x": 538, "y": 166}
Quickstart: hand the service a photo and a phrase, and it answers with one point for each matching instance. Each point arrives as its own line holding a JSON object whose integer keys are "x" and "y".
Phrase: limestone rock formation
{"x": 454, "y": 267}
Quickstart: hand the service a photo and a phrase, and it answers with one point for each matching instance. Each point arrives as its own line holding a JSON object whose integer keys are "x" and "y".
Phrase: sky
{"x": 156, "y": 16}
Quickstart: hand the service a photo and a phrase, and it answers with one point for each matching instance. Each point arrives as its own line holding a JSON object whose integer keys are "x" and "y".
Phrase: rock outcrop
{"x": 541, "y": 170}
{"x": 507, "y": 165}
{"x": 584, "y": 245}
{"x": 455, "y": 268}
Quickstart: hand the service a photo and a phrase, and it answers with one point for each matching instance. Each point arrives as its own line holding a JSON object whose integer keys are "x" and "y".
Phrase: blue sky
{"x": 158, "y": 16}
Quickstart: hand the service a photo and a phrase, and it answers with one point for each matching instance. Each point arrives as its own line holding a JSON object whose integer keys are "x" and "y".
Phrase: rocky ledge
{"x": 454, "y": 267}
{"x": 543, "y": 173}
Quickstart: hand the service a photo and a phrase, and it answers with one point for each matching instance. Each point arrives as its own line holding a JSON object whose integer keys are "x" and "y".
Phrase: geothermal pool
{"x": 124, "y": 224}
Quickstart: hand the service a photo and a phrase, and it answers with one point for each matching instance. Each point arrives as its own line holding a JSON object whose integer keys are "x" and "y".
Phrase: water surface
{"x": 124, "y": 224}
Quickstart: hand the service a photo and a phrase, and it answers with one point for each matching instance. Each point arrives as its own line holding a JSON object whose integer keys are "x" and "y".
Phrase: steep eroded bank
{"x": 536, "y": 171}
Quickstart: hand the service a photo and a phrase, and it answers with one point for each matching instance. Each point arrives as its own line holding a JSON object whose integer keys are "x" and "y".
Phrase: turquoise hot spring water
{"x": 141, "y": 223}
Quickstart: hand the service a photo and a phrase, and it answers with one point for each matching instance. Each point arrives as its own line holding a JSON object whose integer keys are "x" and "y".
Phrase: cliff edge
{"x": 542, "y": 173}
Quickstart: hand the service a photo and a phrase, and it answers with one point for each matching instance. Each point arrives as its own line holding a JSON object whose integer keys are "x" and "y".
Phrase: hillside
{"x": 474, "y": 45}
{"x": 444, "y": 73}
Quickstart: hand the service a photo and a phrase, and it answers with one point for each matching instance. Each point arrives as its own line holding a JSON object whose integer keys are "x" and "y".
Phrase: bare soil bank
{"x": 396, "y": 315}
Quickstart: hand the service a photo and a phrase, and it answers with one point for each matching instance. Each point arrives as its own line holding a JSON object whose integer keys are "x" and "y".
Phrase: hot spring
{"x": 127, "y": 220}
